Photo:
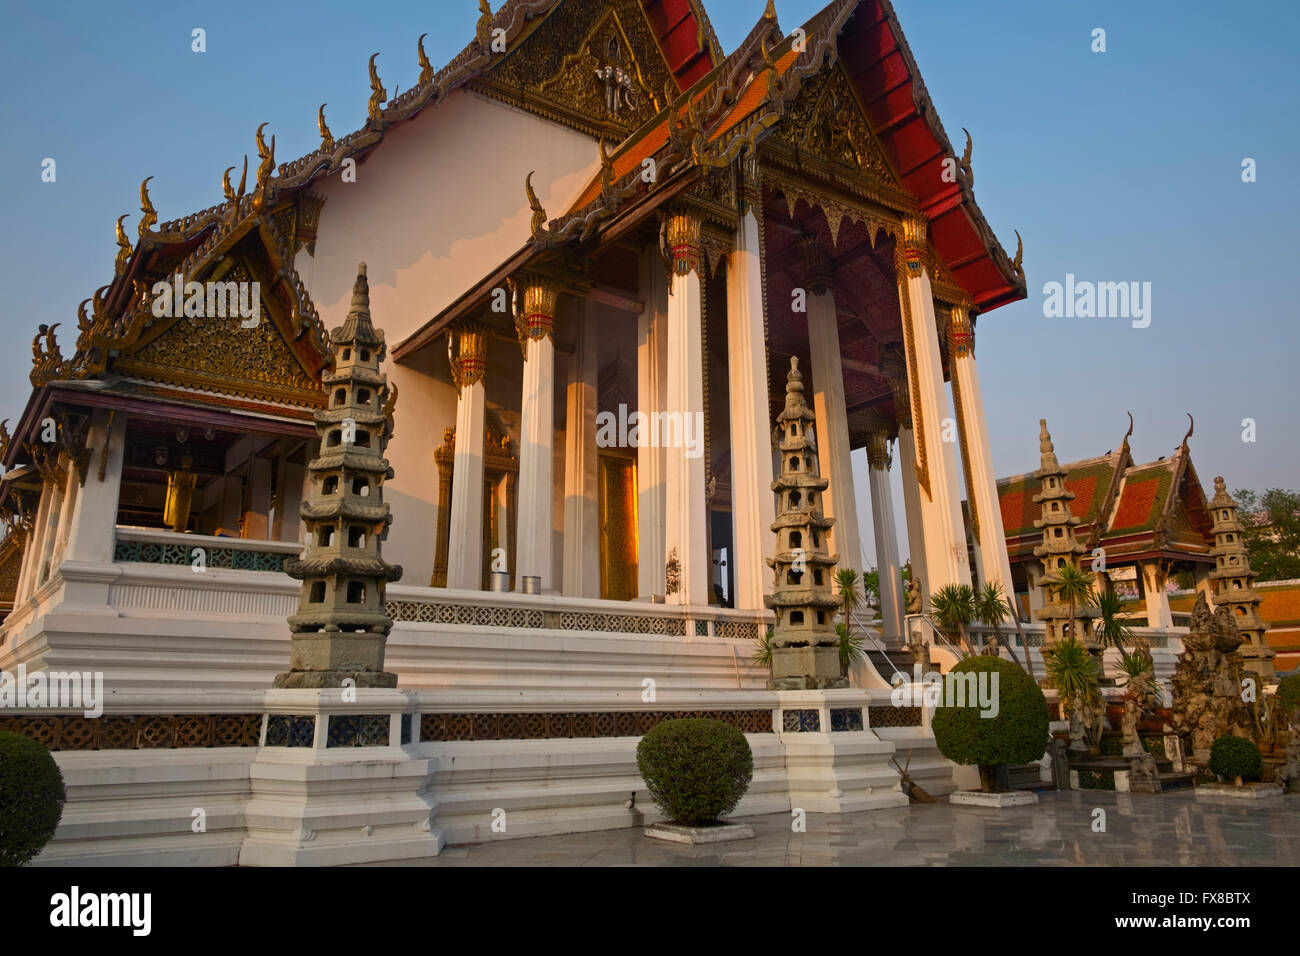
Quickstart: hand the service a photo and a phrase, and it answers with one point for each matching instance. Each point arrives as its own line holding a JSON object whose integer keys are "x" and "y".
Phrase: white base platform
{"x": 696, "y": 836}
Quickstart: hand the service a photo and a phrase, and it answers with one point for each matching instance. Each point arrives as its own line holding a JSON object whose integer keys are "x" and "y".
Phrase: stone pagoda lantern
{"x": 1235, "y": 583}
{"x": 1060, "y": 548}
{"x": 805, "y": 647}
{"x": 341, "y": 627}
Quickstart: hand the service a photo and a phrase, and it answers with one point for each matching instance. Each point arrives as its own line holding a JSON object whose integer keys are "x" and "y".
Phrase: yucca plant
{"x": 1072, "y": 671}
{"x": 991, "y": 610}
{"x": 1137, "y": 665}
{"x": 846, "y": 583}
{"x": 1110, "y": 629}
{"x": 1074, "y": 587}
{"x": 763, "y": 649}
{"x": 852, "y": 646}
{"x": 954, "y": 608}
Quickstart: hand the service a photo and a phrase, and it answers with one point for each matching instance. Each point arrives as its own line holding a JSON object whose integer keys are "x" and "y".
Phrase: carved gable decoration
{"x": 596, "y": 75}
{"x": 219, "y": 355}
{"x": 825, "y": 120}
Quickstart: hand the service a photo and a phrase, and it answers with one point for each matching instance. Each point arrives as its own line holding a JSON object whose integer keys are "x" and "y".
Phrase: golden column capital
{"x": 539, "y": 296}
{"x": 878, "y": 455}
{"x": 818, "y": 272}
{"x": 681, "y": 232}
{"x": 916, "y": 251}
{"x": 961, "y": 333}
{"x": 467, "y": 353}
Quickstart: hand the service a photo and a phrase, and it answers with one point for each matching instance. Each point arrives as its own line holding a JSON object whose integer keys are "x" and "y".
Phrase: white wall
{"x": 438, "y": 205}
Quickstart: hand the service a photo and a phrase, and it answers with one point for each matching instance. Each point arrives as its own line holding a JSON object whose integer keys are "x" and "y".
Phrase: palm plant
{"x": 852, "y": 646}
{"x": 954, "y": 609}
{"x": 846, "y": 582}
{"x": 1137, "y": 665}
{"x": 1073, "y": 586}
{"x": 991, "y": 610}
{"x": 763, "y": 649}
{"x": 1073, "y": 672}
{"x": 1110, "y": 628}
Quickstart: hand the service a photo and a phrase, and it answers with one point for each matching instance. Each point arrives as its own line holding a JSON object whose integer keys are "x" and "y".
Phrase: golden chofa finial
{"x": 426, "y": 68}
{"x": 377, "y": 92}
{"x": 149, "y": 217}
{"x": 268, "y": 158}
{"x": 230, "y": 194}
{"x": 326, "y": 137}
{"x": 607, "y": 177}
{"x": 769, "y": 13}
{"x": 539, "y": 214}
{"x": 1018, "y": 263}
{"x": 123, "y": 248}
{"x": 483, "y": 32}
{"x": 964, "y": 164}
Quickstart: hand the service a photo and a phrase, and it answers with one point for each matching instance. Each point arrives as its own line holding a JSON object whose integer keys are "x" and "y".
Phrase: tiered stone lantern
{"x": 805, "y": 647}
{"x": 1235, "y": 583}
{"x": 341, "y": 626}
{"x": 1060, "y": 548}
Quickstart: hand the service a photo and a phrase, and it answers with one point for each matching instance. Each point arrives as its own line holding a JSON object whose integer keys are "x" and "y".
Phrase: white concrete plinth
{"x": 978, "y": 798}
{"x": 694, "y": 836}
{"x": 1233, "y": 793}
{"x": 832, "y": 771}
{"x": 330, "y": 806}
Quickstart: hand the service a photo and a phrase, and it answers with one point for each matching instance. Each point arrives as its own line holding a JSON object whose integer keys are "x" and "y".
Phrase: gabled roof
{"x": 1129, "y": 509}
{"x": 731, "y": 109}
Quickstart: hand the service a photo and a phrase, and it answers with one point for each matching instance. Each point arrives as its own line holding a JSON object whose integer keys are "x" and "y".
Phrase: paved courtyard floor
{"x": 1174, "y": 829}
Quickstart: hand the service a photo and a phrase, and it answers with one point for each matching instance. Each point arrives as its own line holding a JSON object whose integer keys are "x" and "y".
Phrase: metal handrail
{"x": 879, "y": 644}
{"x": 938, "y": 633}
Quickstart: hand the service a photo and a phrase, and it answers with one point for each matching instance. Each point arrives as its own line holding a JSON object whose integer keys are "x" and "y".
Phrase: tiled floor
{"x": 1173, "y": 829}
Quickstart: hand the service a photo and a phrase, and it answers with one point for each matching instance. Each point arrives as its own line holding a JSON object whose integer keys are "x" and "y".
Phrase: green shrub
{"x": 31, "y": 798}
{"x": 1288, "y": 695}
{"x": 695, "y": 769}
{"x": 1016, "y": 733}
{"x": 1232, "y": 757}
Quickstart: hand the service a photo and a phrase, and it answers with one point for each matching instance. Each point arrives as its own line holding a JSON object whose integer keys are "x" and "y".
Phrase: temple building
{"x": 596, "y": 244}
{"x": 1135, "y": 526}
{"x": 656, "y": 228}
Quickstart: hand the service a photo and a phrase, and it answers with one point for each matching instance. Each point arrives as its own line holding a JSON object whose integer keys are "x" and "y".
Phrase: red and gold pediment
{"x": 826, "y": 123}
{"x": 595, "y": 67}
{"x": 218, "y": 354}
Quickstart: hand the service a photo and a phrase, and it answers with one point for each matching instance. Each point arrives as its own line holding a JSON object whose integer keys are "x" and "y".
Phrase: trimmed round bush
{"x": 31, "y": 798}
{"x": 1288, "y": 695}
{"x": 1232, "y": 757}
{"x": 696, "y": 769}
{"x": 1015, "y": 728}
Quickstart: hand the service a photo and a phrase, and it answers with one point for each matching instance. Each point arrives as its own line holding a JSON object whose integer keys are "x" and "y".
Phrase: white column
{"x": 465, "y": 537}
{"x": 990, "y": 536}
{"x": 912, "y": 509}
{"x": 685, "y": 533}
{"x": 1157, "y": 598}
{"x": 94, "y": 523}
{"x": 833, "y": 452}
{"x": 651, "y": 389}
{"x": 534, "y": 553}
{"x": 753, "y": 507}
{"x": 34, "y": 546}
{"x": 892, "y": 604}
{"x": 943, "y": 529}
{"x": 581, "y": 512}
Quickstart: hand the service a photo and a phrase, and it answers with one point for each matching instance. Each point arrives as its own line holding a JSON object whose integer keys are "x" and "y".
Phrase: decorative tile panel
{"x": 563, "y": 725}
{"x": 67, "y": 732}
{"x": 888, "y": 716}
{"x": 846, "y": 719}
{"x": 806, "y": 721}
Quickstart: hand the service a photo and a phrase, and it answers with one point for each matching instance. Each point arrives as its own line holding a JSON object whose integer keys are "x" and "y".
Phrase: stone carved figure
{"x": 672, "y": 574}
{"x": 1206, "y": 688}
{"x": 913, "y": 597}
{"x": 920, "y": 653}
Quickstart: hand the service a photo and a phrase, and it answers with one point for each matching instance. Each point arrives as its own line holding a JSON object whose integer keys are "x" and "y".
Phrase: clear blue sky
{"x": 1122, "y": 166}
